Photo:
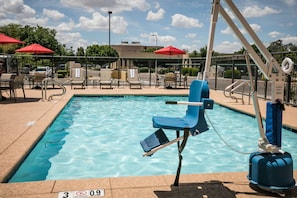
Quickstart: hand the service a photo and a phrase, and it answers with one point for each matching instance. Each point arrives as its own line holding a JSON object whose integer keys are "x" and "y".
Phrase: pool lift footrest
{"x": 159, "y": 140}
{"x": 156, "y": 142}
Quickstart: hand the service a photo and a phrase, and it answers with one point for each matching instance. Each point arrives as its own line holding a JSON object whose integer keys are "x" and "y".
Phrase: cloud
{"x": 162, "y": 40}
{"x": 73, "y": 39}
{"x": 151, "y": 16}
{"x": 255, "y": 11}
{"x": 289, "y": 39}
{"x": 191, "y": 35}
{"x": 227, "y": 47}
{"x": 53, "y": 14}
{"x": 181, "y": 21}
{"x": 274, "y": 34}
{"x": 13, "y": 6}
{"x": 66, "y": 26}
{"x": 228, "y": 30}
{"x": 115, "y": 5}
{"x": 17, "y": 8}
{"x": 290, "y": 2}
{"x": 15, "y": 11}
{"x": 99, "y": 22}
{"x": 189, "y": 48}
{"x": 255, "y": 27}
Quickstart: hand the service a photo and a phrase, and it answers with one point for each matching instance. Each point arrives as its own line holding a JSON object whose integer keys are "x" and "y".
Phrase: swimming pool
{"x": 97, "y": 137}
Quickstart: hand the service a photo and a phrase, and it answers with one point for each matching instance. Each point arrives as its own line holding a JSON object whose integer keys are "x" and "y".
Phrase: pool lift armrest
{"x": 206, "y": 103}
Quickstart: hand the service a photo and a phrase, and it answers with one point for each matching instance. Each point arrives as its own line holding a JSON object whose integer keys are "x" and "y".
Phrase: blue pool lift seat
{"x": 192, "y": 123}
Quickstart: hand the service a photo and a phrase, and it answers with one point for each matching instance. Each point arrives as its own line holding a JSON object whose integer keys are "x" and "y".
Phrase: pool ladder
{"x": 231, "y": 89}
{"x": 44, "y": 85}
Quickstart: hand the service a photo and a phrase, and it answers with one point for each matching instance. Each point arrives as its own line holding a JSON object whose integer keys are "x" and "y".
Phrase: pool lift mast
{"x": 271, "y": 168}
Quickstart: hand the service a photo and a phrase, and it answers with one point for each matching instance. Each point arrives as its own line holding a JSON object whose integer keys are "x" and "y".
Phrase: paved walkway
{"x": 22, "y": 123}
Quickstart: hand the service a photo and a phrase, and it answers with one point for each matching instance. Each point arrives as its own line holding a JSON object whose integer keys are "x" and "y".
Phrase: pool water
{"x": 97, "y": 137}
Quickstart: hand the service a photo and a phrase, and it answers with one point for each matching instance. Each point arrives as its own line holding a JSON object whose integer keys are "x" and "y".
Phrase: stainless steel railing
{"x": 44, "y": 85}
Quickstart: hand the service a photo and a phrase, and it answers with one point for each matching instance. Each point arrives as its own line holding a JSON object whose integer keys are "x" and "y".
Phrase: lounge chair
{"x": 105, "y": 78}
{"x": 77, "y": 77}
{"x": 133, "y": 78}
{"x": 192, "y": 123}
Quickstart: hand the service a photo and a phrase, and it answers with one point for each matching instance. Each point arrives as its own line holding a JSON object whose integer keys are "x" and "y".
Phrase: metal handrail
{"x": 44, "y": 84}
{"x": 230, "y": 89}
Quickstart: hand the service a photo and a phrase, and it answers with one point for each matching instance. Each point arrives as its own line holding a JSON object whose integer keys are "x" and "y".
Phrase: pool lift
{"x": 270, "y": 168}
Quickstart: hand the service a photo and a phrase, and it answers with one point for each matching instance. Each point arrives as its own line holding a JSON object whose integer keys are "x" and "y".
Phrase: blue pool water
{"x": 96, "y": 137}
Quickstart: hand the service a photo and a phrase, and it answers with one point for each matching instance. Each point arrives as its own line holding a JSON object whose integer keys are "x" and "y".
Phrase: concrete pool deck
{"x": 22, "y": 123}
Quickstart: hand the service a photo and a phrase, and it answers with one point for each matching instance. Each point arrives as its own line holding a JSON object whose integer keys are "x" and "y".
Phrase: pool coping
{"x": 15, "y": 153}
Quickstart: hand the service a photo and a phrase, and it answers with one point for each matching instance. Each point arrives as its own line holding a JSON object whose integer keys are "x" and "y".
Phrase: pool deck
{"x": 22, "y": 123}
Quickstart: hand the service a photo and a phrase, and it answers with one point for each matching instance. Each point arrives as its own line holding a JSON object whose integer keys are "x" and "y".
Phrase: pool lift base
{"x": 272, "y": 169}
{"x": 271, "y": 172}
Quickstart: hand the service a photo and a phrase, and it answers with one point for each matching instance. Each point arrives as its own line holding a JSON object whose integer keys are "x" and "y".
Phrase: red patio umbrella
{"x": 9, "y": 40}
{"x": 35, "y": 49}
{"x": 169, "y": 50}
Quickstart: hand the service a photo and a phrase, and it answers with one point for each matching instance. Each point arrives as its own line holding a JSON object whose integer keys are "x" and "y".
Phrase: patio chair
{"x": 77, "y": 77}
{"x": 133, "y": 78}
{"x": 170, "y": 78}
{"x": 105, "y": 78}
{"x": 18, "y": 83}
{"x": 6, "y": 84}
{"x": 193, "y": 123}
{"x": 38, "y": 78}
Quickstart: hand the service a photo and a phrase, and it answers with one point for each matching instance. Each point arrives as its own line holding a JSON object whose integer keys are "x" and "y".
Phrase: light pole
{"x": 156, "y": 61}
{"x": 109, "y": 13}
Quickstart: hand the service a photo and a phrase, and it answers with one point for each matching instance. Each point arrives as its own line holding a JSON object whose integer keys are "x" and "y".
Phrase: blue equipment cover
{"x": 274, "y": 112}
{"x": 194, "y": 118}
{"x": 271, "y": 170}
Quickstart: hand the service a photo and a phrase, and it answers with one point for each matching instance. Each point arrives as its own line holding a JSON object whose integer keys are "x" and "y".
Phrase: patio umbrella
{"x": 169, "y": 50}
{"x": 9, "y": 40}
{"x": 5, "y": 40}
{"x": 35, "y": 49}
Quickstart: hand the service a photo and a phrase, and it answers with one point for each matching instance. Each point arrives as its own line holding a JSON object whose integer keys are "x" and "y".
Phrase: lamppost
{"x": 109, "y": 13}
{"x": 156, "y": 61}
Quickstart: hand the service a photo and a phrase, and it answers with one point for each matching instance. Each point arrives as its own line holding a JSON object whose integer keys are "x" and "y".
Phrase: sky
{"x": 181, "y": 23}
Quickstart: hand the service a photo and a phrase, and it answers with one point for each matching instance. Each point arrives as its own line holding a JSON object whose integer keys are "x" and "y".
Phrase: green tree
{"x": 203, "y": 51}
{"x": 33, "y": 34}
{"x": 277, "y": 46}
{"x": 194, "y": 54}
{"x": 102, "y": 51}
{"x": 80, "y": 51}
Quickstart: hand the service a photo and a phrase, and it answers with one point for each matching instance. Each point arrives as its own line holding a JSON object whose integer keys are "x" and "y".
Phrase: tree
{"x": 277, "y": 46}
{"x": 203, "y": 51}
{"x": 102, "y": 51}
{"x": 80, "y": 51}
{"x": 194, "y": 54}
{"x": 33, "y": 34}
